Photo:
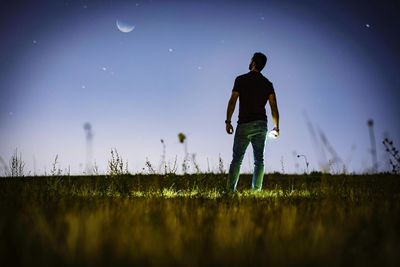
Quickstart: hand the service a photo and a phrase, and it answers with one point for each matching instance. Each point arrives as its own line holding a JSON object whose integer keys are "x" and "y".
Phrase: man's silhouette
{"x": 253, "y": 90}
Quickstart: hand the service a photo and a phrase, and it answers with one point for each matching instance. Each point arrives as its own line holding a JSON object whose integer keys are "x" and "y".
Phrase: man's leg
{"x": 241, "y": 141}
{"x": 258, "y": 143}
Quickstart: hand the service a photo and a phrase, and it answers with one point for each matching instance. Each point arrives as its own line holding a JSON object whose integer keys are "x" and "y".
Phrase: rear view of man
{"x": 254, "y": 91}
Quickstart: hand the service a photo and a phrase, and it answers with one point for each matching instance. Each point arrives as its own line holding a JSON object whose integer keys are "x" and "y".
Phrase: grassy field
{"x": 172, "y": 220}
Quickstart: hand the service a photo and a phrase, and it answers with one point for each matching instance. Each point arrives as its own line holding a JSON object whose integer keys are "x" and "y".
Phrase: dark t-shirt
{"x": 254, "y": 90}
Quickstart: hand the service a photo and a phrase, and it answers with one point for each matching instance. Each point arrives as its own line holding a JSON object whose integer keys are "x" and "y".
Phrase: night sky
{"x": 334, "y": 65}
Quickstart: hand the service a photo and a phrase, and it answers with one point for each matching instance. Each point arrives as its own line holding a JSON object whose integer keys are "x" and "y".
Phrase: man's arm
{"x": 274, "y": 111}
{"x": 229, "y": 111}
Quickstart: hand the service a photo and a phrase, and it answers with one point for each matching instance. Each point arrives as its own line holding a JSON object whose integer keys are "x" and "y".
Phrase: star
{"x": 170, "y": 50}
{"x": 34, "y": 42}
{"x": 83, "y": 86}
{"x": 104, "y": 68}
{"x": 199, "y": 67}
{"x": 262, "y": 18}
{"x": 85, "y": 6}
{"x": 367, "y": 25}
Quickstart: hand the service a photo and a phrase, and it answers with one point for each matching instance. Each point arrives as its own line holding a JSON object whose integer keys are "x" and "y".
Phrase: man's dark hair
{"x": 259, "y": 60}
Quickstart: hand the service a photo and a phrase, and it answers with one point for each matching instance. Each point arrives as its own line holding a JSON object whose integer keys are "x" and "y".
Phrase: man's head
{"x": 258, "y": 61}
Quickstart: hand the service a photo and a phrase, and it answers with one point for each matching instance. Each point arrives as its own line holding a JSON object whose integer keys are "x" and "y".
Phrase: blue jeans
{"x": 256, "y": 133}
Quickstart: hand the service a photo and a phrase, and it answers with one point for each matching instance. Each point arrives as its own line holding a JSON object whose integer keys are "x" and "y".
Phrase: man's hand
{"x": 229, "y": 128}
{"x": 229, "y": 111}
{"x": 274, "y": 111}
{"x": 275, "y": 132}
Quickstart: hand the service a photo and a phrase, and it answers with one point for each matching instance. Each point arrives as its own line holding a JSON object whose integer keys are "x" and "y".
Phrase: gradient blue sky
{"x": 64, "y": 63}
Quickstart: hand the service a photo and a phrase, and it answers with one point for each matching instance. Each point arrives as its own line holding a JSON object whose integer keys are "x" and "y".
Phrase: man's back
{"x": 254, "y": 90}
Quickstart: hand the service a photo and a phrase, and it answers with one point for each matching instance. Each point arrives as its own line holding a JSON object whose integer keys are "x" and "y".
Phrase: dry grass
{"x": 150, "y": 220}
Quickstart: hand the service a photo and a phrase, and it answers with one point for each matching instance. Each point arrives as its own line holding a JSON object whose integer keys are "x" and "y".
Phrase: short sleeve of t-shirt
{"x": 236, "y": 86}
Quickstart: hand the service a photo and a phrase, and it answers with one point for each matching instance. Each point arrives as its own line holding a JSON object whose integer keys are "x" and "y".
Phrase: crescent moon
{"x": 123, "y": 27}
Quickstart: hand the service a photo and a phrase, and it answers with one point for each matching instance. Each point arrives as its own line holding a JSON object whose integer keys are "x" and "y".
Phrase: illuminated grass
{"x": 214, "y": 194}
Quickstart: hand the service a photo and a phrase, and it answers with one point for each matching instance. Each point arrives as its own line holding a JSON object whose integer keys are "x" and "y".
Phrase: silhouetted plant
{"x": 181, "y": 137}
{"x": 394, "y": 159}
{"x": 196, "y": 165}
{"x": 56, "y": 171}
{"x": 54, "y": 183}
{"x": 334, "y": 167}
{"x": 221, "y": 169}
{"x": 89, "y": 143}
{"x": 174, "y": 168}
{"x": 306, "y": 161}
{"x": 335, "y": 162}
{"x": 322, "y": 146}
{"x": 95, "y": 169}
{"x": 370, "y": 124}
{"x": 185, "y": 164}
{"x": 116, "y": 164}
{"x": 149, "y": 167}
{"x": 163, "y": 165}
{"x": 17, "y": 165}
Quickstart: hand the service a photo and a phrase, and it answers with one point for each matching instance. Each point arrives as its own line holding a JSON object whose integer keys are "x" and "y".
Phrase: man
{"x": 254, "y": 91}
